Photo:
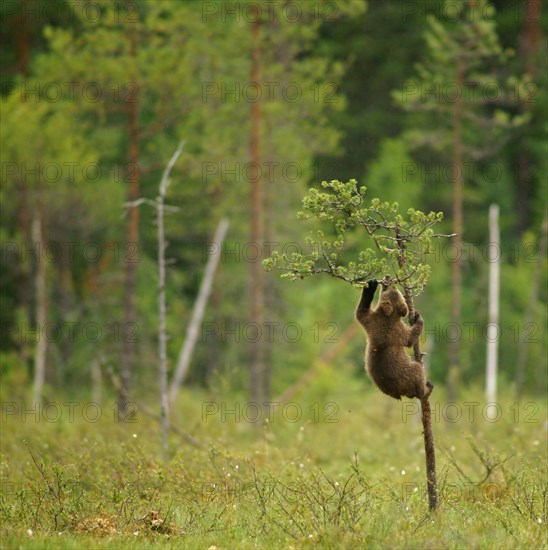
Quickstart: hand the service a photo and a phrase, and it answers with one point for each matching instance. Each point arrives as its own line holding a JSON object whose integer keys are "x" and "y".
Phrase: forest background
{"x": 95, "y": 105}
{"x": 270, "y": 99}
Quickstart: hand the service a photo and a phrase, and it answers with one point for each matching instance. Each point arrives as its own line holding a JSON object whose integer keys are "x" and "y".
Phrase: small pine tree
{"x": 401, "y": 245}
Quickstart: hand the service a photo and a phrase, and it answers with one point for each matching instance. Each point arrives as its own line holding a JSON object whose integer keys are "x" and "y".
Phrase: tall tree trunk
{"x": 24, "y": 274}
{"x": 530, "y": 35}
{"x": 24, "y": 290}
{"x": 456, "y": 268}
{"x": 493, "y": 330}
{"x": 529, "y": 47}
{"x": 198, "y": 310}
{"x": 131, "y": 242}
{"x": 532, "y": 307}
{"x": 162, "y": 333}
{"x": 40, "y": 354}
{"x": 268, "y": 296}
{"x": 22, "y": 39}
{"x": 256, "y": 206}
{"x": 215, "y": 300}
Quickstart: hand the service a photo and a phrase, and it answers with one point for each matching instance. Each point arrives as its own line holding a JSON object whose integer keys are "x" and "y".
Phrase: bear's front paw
{"x": 416, "y": 318}
{"x": 372, "y": 284}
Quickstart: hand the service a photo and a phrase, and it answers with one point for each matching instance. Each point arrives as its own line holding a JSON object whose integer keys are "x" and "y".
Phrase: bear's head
{"x": 391, "y": 301}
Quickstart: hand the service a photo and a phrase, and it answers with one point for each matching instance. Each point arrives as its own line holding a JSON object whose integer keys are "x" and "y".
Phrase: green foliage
{"x": 401, "y": 242}
{"x": 464, "y": 69}
{"x": 188, "y": 73}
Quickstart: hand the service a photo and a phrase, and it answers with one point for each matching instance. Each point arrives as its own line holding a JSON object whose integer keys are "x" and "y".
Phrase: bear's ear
{"x": 386, "y": 307}
{"x": 402, "y": 310}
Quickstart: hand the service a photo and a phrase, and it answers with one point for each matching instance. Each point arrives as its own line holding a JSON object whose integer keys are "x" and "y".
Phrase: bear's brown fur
{"x": 387, "y": 363}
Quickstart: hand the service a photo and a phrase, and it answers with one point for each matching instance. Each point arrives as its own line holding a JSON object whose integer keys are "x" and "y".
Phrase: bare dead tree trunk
{"x": 256, "y": 206}
{"x": 132, "y": 240}
{"x": 162, "y": 335}
{"x": 215, "y": 301}
{"x": 40, "y": 353}
{"x": 456, "y": 268}
{"x": 198, "y": 312}
{"x": 492, "y": 329}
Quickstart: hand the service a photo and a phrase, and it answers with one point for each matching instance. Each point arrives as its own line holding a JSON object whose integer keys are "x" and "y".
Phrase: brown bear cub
{"x": 387, "y": 363}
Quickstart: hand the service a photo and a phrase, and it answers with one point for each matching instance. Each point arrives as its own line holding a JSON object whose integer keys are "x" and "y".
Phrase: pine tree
{"x": 461, "y": 89}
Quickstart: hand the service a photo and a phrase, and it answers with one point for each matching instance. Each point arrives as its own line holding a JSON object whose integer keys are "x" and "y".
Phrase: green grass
{"x": 348, "y": 473}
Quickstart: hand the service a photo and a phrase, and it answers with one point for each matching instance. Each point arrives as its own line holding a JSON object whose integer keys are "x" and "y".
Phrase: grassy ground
{"x": 338, "y": 468}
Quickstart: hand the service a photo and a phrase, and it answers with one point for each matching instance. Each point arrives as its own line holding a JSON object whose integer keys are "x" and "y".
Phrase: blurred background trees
{"x": 96, "y": 97}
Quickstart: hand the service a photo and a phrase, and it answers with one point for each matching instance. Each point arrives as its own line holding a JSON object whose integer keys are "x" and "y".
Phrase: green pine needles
{"x": 400, "y": 242}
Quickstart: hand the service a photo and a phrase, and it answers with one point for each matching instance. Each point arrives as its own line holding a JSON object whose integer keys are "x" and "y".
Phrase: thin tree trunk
{"x": 456, "y": 268}
{"x": 162, "y": 335}
{"x": 256, "y": 206}
{"x": 24, "y": 290}
{"x": 529, "y": 46}
{"x": 531, "y": 35}
{"x": 215, "y": 300}
{"x": 132, "y": 240}
{"x": 22, "y": 38}
{"x": 41, "y": 349}
{"x": 268, "y": 296}
{"x": 426, "y": 417}
{"x": 532, "y": 306}
{"x": 24, "y": 282}
{"x": 492, "y": 332}
{"x": 198, "y": 312}
{"x": 430, "y": 452}
{"x": 429, "y": 448}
